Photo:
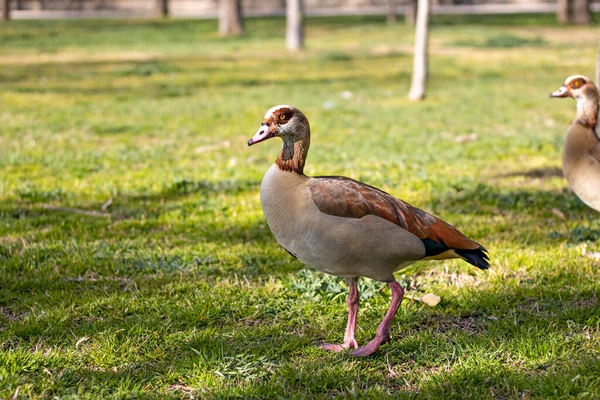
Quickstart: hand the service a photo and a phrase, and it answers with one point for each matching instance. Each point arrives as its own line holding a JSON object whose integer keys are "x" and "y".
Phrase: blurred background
{"x": 135, "y": 261}
{"x": 209, "y": 8}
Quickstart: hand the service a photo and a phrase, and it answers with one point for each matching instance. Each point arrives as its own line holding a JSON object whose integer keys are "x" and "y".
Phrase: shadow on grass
{"x": 181, "y": 333}
{"x": 483, "y": 199}
{"x": 503, "y": 382}
{"x": 155, "y": 77}
{"x": 192, "y": 207}
{"x": 244, "y": 332}
{"x": 195, "y": 214}
{"x": 181, "y": 231}
{"x": 268, "y": 348}
{"x": 128, "y": 205}
{"x": 525, "y": 217}
{"x": 535, "y": 173}
{"x": 169, "y": 89}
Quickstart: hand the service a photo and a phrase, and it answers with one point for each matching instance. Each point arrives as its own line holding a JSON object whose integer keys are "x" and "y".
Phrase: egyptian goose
{"x": 581, "y": 154}
{"x": 347, "y": 228}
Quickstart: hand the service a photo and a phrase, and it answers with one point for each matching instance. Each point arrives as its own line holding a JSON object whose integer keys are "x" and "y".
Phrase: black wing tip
{"x": 433, "y": 247}
{"x": 476, "y": 257}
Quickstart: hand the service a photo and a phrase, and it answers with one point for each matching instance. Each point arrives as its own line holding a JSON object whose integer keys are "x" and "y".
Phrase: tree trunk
{"x": 230, "y": 18}
{"x": 162, "y": 8}
{"x": 392, "y": 15}
{"x": 5, "y": 10}
{"x": 581, "y": 12}
{"x": 295, "y": 25}
{"x": 419, "y": 77}
{"x": 410, "y": 16}
{"x": 563, "y": 11}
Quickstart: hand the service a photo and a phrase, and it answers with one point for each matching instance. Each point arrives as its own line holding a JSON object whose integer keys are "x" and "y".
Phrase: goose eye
{"x": 577, "y": 83}
{"x": 282, "y": 117}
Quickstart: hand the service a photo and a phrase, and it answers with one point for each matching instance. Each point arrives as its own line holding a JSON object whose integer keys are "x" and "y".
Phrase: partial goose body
{"x": 347, "y": 228}
{"x": 581, "y": 153}
{"x": 581, "y": 164}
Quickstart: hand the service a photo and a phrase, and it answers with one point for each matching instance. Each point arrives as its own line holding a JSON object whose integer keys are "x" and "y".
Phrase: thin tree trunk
{"x": 419, "y": 77}
{"x": 581, "y": 12}
{"x": 410, "y": 16}
{"x": 295, "y": 25}
{"x": 230, "y": 18}
{"x": 563, "y": 11}
{"x": 392, "y": 15}
{"x": 162, "y": 8}
{"x": 5, "y": 10}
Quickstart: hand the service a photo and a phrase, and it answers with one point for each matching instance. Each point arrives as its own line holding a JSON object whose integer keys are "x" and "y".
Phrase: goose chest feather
{"x": 347, "y": 228}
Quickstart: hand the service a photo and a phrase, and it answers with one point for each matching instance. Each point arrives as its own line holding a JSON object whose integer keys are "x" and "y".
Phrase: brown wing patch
{"x": 345, "y": 197}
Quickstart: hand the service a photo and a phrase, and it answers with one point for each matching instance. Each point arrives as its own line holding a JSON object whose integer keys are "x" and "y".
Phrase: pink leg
{"x": 349, "y": 337}
{"x": 383, "y": 332}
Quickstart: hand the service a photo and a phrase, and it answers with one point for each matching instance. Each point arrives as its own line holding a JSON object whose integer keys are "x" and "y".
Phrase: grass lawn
{"x": 177, "y": 289}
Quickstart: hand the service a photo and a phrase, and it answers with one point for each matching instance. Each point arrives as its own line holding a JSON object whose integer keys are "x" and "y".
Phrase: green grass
{"x": 178, "y": 289}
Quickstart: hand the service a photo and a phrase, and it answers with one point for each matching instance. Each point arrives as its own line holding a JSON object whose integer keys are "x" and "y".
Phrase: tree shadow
{"x": 184, "y": 187}
{"x": 131, "y": 241}
{"x": 524, "y": 216}
{"x": 127, "y": 205}
{"x": 483, "y": 199}
{"x": 170, "y": 89}
{"x": 153, "y": 77}
{"x": 535, "y": 173}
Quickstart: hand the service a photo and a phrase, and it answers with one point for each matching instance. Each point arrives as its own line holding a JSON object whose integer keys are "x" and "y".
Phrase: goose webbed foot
{"x": 339, "y": 347}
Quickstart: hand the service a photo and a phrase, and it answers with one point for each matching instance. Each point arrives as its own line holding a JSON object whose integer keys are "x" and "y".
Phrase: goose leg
{"x": 349, "y": 337}
{"x": 383, "y": 331}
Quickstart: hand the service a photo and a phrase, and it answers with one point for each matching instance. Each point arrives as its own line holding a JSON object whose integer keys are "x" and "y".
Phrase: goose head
{"x": 284, "y": 121}
{"x": 583, "y": 90}
{"x": 578, "y": 87}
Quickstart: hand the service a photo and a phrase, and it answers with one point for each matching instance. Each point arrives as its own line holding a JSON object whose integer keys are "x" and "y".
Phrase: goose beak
{"x": 562, "y": 92}
{"x": 261, "y": 135}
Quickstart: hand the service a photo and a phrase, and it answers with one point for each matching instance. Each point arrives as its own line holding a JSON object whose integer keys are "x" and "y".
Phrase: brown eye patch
{"x": 577, "y": 83}
{"x": 283, "y": 116}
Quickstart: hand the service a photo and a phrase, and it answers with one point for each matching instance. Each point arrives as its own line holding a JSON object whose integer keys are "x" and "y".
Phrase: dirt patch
{"x": 452, "y": 278}
{"x": 588, "y": 302}
{"x": 188, "y": 391}
{"x": 10, "y": 315}
{"x": 443, "y": 324}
